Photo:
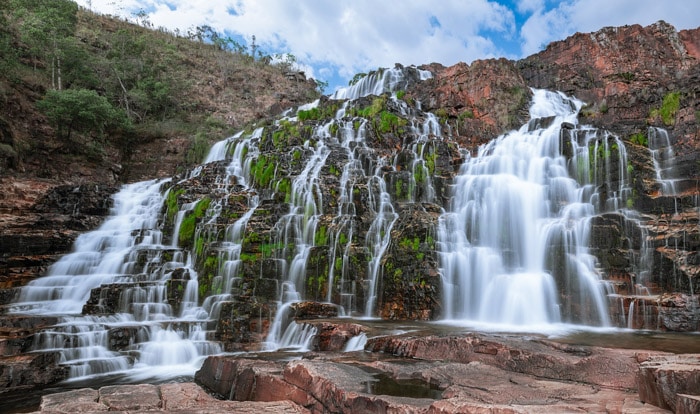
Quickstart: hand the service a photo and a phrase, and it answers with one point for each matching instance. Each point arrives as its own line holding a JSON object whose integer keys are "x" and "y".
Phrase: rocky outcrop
{"x": 39, "y": 221}
{"x": 474, "y": 373}
{"x": 670, "y": 382}
{"x": 172, "y": 398}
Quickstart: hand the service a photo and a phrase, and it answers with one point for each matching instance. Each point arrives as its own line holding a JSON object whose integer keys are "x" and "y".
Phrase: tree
{"x": 47, "y": 26}
{"x": 83, "y": 111}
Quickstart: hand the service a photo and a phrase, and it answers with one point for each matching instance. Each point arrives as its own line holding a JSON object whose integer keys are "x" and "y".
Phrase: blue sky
{"x": 332, "y": 40}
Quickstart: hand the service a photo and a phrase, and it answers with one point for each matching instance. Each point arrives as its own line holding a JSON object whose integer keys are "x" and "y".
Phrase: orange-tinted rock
{"x": 662, "y": 378}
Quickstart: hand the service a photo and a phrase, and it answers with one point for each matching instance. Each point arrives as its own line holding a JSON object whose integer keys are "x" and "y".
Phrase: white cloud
{"x": 343, "y": 37}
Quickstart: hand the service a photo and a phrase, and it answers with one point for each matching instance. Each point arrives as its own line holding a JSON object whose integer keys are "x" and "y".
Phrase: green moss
{"x": 248, "y": 257}
{"x": 639, "y": 139}
{"x": 374, "y": 109}
{"x": 400, "y": 94}
{"x": 669, "y": 108}
{"x": 285, "y": 186}
{"x": 389, "y": 122}
{"x": 442, "y": 114}
{"x": 334, "y": 128}
{"x": 410, "y": 244}
{"x": 398, "y": 186}
{"x": 321, "y": 238}
{"x": 430, "y": 160}
{"x": 338, "y": 264}
{"x": 267, "y": 249}
{"x": 466, "y": 114}
{"x": 342, "y": 239}
{"x": 171, "y": 205}
{"x": 263, "y": 170}
{"x": 189, "y": 222}
{"x": 419, "y": 174}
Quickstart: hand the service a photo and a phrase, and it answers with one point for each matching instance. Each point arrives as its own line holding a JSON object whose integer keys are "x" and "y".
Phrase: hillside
{"x": 175, "y": 94}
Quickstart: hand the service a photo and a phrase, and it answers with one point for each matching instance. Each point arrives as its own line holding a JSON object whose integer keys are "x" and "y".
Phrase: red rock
{"x": 687, "y": 404}
{"x": 143, "y": 397}
{"x": 662, "y": 378}
{"x": 84, "y": 400}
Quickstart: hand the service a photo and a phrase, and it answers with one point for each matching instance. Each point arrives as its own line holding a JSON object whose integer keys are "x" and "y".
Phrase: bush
{"x": 83, "y": 111}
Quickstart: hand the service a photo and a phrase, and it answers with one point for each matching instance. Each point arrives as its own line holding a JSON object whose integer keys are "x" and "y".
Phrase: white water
{"x": 513, "y": 243}
{"x": 126, "y": 252}
{"x": 664, "y": 160}
{"x": 377, "y": 83}
{"x": 298, "y": 230}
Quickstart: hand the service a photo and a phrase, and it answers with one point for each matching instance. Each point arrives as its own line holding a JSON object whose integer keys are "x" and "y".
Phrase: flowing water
{"x": 513, "y": 240}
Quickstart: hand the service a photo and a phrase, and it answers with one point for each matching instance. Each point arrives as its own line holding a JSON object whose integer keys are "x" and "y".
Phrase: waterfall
{"x": 297, "y": 234}
{"x": 380, "y": 81}
{"x": 664, "y": 160}
{"x": 122, "y": 269}
{"x": 513, "y": 242}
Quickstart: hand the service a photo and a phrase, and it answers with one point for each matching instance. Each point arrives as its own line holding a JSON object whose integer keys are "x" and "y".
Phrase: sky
{"x": 332, "y": 40}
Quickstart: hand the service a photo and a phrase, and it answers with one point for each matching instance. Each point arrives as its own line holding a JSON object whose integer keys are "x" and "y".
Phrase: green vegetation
{"x": 374, "y": 109}
{"x": 410, "y": 244}
{"x": 639, "y": 138}
{"x": 466, "y": 114}
{"x": 669, "y": 107}
{"x": 171, "y": 205}
{"x": 400, "y": 94}
{"x": 189, "y": 222}
{"x": 327, "y": 110}
{"x": 109, "y": 84}
{"x": 82, "y": 111}
{"x": 263, "y": 170}
{"x": 321, "y": 236}
{"x": 389, "y": 122}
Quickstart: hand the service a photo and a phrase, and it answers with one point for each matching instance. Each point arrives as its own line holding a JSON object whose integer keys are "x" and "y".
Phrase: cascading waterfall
{"x": 297, "y": 232}
{"x": 513, "y": 244}
{"x": 125, "y": 253}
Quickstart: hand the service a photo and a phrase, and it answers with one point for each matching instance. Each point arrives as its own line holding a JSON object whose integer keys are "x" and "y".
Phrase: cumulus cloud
{"x": 340, "y": 38}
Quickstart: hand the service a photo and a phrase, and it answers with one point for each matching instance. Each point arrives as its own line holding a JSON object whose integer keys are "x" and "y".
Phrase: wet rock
{"x": 29, "y": 371}
{"x": 143, "y": 397}
{"x": 679, "y": 312}
{"x": 687, "y": 404}
{"x": 612, "y": 368}
{"x": 662, "y": 378}
{"x": 334, "y": 336}
{"x": 84, "y": 400}
{"x": 344, "y": 383}
{"x": 313, "y": 310}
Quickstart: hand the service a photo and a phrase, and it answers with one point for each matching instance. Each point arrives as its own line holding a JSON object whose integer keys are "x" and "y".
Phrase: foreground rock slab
{"x": 441, "y": 375}
{"x": 671, "y": 382}
{"x": 172, "y": 398}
